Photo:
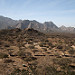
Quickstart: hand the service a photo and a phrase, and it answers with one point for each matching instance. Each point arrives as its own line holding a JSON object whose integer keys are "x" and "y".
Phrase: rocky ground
{"x": 29, "y": 52}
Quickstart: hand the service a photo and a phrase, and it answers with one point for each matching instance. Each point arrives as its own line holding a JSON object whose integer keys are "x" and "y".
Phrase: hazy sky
{"x": 61, "y": 12}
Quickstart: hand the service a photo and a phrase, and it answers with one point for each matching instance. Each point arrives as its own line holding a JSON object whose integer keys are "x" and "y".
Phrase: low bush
{"x": 46, "y": 40}
{"x": 50, "y": 71}
{"x": 42, "y": 44}
{"x": 30, "y": 42}
{"x": 62, "y": 61}
{"x": 35, "y": 51}
{"x": 3, "y": 55}
{"x": 8, "y": 61}
{"x": 17, "y": 71}
{"x": 30, "y": 59}
{"x": 31, "y": 47}
{"x": 59, "y": 47}
{"x": 21, "y": 53}
{"x": 7, "y": 45}
{"x": 71, "y": 51}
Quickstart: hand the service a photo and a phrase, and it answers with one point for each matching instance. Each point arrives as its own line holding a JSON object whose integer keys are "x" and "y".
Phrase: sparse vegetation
{"x": 3, "y": 55}
{"x": 29, "y": 52}
{"x": 30, "y": 59}
{"x": 50, "y": 70}
{"x": 71, "y": 51}
{"x": 59, "y": 47}
{"x": 31, "y": 47}
{"x": 7, "y": 45}
{"x": 8, "y": 61}
{"x": 21, "y": 53}
{"x": 34, "y": 51}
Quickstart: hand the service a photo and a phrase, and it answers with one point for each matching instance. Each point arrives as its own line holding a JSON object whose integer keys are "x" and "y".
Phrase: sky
{"x": 61, "y": 12}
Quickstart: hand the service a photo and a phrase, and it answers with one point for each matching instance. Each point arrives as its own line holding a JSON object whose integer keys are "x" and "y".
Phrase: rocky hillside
{"x": 43, "y": 27}
{"x": 30, "y": 52}
{"x": 67, "y": 29}
{"x": 5, "y": 21}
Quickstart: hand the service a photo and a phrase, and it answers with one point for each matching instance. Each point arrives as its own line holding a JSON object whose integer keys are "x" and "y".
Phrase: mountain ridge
{"x": 46, "y": 27}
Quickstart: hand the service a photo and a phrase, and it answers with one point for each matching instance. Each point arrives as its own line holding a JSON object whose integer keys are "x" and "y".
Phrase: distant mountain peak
{"x": 67, "y": 29}
{"x": 8, "y": 23}
{"x": 5, "y": 21}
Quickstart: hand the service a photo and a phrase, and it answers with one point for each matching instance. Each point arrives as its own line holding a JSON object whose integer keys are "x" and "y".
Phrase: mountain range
{"x": 5, "y": 21}
{"x": 8, "y": 23}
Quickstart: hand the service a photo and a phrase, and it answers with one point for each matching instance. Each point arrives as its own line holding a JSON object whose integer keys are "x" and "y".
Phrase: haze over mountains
{"x": 8, "y": 23}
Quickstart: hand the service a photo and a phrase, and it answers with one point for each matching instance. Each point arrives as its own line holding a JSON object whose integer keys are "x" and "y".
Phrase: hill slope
{"x": 30, "y": 52}
{"x": 67, "y": 29}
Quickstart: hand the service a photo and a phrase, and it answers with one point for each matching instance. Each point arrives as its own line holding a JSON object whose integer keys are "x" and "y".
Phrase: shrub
{"x": 59, "y": 47}
{"x": 3, "y": 55}
{"x": 8, "y": 61}
{"x": 71, "y": 73}
{"x": 35, "y": 51}
{"x": 45, "y": 49}
{"x": 28, "y": 54}
{"x": 30, "y": 59}
{"x": 21, "y": 53}
{"x": 50, "y": 44}
{"x": 71, "y": 51}
{"x": 24, "y": 72}
{"x": 42, "y": 44}
{"x": 31, "y": 47}
{"x": 62, "y": 61}
{"x": 33, "y": 69}
{"x": 0, "y": 43}
{"x": 50, "y": 70}
{"x": 16, "y": 71}
{"x": 24, "y": 54}
{"x": 30, "y": 42}
{"x": 7, "y": 45}
{"x": 46, "y": 40}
